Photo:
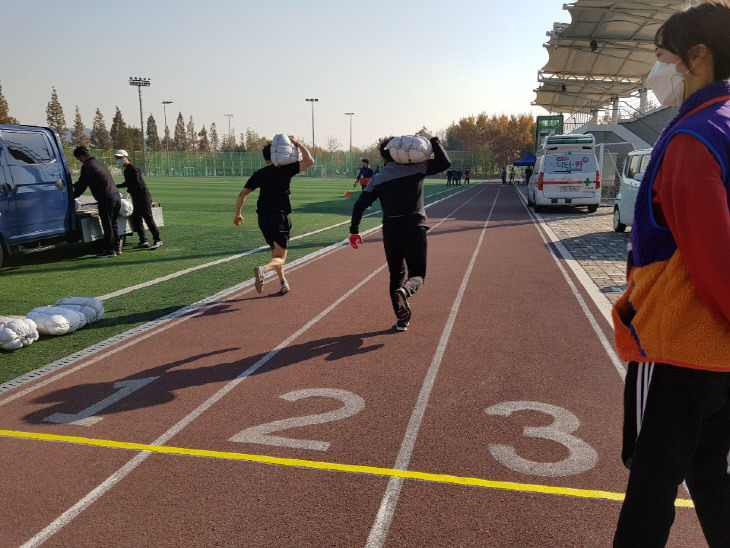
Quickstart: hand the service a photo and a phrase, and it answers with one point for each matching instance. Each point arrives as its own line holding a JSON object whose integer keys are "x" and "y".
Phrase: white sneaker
{"x": 284, "y": 287}
{"x": 259, "y": 272}
{"x": 156, "y": 244}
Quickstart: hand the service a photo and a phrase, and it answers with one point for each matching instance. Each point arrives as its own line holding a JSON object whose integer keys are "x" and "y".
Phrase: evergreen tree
{"x": 180, "y": 139}
{"x": 100, "y": 137}
{"x": 203, "y": 143}
{"x": 254, "y": 142}
{"x": 213, "y": 135}
{"x": 191, "y": 135}
{"x": 228, "y": 143}
{"x": 78, "y": 137}
{"x": 153, "y": 138}
{"x": 54, "y": 115}
{"x": 132, "y": 138}
{"x": 118, "y": 131}
{"x": 167, "y": 140}
{"x": 5, "y": 117}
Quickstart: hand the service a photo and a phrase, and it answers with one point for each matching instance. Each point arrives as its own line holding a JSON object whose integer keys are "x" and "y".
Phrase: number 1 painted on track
{"x": 86, "y": 417}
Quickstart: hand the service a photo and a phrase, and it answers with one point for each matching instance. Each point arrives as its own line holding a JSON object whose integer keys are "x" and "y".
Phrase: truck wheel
{"x": 4, "y": 255}
{"x": 618, "y": 226}
{"x": 592, "y": 208}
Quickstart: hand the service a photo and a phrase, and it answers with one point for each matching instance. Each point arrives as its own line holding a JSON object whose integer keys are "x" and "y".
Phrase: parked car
{"x": 566, "y": 173}
{"x": 634, "y": 169}
{"x": 37, "y": 209}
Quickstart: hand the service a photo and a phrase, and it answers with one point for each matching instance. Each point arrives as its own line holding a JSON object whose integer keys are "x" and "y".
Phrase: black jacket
{"x": 96, "y": 177}
{"x": 134, "y": 183}
{"x": 400, "y": 190}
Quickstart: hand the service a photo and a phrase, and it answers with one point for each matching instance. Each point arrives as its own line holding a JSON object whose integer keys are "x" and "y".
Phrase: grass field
{"x": 198, "y": 229}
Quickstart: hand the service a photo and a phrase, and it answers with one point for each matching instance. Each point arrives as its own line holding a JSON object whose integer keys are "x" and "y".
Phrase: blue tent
{"x": 527, "y": 160}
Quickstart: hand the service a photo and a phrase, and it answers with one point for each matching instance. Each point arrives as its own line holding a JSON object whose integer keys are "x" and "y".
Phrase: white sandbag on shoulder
{"x": 55, "y": 320}
{"x": 96, "y": 305}
{"x": 409, "y": 149}
{"x": 17, "y": 332}
{"x": 283, "y": 151}
{"x": 126, "y": 208}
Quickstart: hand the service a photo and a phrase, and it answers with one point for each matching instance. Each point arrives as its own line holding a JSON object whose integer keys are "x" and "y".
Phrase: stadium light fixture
{"x": 167, "y": 134}
{"x": 314, "y": 148}
{"x": 140, "y": 83}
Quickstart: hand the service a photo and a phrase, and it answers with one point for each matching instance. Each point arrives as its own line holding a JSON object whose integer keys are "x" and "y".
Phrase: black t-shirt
{"x": 274, "y": 184}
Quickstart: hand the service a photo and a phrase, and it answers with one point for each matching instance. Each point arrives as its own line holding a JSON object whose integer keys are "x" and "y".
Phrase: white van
{"x": 634, "y": 169}
{"x": 566, "y": 173}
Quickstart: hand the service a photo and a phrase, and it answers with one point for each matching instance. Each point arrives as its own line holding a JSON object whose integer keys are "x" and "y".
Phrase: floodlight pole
{"x": 229, "y": 116}
{"x": 141, "y": 82}
{"x": 350, "y": 114}
{"x": 167, "y": 135}
{"x": 314, "y": 148}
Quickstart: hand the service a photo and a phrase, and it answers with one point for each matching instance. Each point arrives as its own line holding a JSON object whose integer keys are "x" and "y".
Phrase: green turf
{"x": 198, "y": 229}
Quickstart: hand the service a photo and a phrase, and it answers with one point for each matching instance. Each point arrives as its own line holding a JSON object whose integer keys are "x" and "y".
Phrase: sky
{"x": 398, "y": 65}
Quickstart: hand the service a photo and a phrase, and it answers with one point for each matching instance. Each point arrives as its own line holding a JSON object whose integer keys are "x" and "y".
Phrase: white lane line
{"x": 383, "y": 519}
{"x": 179, "y": 273}
{"x": 146, "y": 330}
{"x": 607, "y": 346}
{"x": 65, "y": 518}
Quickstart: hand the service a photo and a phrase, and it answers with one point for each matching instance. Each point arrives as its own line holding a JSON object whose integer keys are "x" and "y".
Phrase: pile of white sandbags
{"x": 66, "y": 316}
{"x": 409, "y": 149}
{"x": 283, "y": 151}
{"x": 17, "y": 332}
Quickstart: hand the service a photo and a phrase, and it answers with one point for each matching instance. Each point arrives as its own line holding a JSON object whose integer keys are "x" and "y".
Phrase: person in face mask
{"x": 673, "y": 323}
{"x": 141, "y": 202}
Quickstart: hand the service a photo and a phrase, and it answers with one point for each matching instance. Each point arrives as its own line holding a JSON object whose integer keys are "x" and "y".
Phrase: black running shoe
{"x": 401, "y": 325}
{"x": 404, "y": 311}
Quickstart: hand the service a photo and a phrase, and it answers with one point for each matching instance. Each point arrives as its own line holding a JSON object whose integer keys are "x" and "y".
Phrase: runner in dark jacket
{"x": 399, "y": 187}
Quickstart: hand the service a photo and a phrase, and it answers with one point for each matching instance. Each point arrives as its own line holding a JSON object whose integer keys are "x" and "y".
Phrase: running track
{"x": 494, "y": 421}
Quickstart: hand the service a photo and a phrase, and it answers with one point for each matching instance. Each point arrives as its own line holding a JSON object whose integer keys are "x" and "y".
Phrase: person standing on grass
{"x": 673, "y": 323}
{"x": 273, "y": 209}
{"x": 141, "y": 202}
{"x": 96, "y": 176}
{"x": 366, "y": 172}
{"x": 399, "y": 187}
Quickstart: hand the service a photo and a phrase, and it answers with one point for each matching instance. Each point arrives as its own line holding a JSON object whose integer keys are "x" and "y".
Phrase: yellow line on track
{"x": 335, "y": 466}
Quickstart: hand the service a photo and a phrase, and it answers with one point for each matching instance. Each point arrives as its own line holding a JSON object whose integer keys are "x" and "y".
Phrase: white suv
{"x": 634, "y": 169}
{"x": 566, "y": 173}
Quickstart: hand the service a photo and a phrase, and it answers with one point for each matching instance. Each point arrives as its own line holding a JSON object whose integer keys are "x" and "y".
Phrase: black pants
{"x": 143, "y": 211}
{"x": 108, "y": 213}
{"x": 405, "y": 247}
{"x": 682, "y": 418}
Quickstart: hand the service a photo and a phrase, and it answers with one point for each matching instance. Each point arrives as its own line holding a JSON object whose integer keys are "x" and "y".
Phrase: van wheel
{"x": 592, "y": 208}
{"x": 617, "y": 225}
{"x": 538, "y": 209}
{"x": 530, "y": 203}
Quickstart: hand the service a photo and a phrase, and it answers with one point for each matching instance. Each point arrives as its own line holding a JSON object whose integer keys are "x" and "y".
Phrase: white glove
{"x": 425, "y": 134}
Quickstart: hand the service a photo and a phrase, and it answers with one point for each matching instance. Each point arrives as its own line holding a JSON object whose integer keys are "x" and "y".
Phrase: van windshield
{"x": 569, "y": 162}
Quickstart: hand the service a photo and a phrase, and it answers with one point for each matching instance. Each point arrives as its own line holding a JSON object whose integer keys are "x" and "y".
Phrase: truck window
{"x": 27, "y": 147}
{"x": 569, "y": 162}
{"x": 644, "y": 162}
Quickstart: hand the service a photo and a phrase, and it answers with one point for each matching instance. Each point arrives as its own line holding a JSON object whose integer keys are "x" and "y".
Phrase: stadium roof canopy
{"x": 604, "y": 53}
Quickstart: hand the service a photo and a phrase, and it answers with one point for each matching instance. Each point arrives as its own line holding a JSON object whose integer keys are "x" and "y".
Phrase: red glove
{"x": 354, "y": 240}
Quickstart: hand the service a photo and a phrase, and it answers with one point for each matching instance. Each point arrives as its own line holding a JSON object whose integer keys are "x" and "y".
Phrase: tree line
{"x": 505, "y": 137}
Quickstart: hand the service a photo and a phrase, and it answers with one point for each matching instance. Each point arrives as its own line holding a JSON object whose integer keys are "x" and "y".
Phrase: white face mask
{"x": 667, "y": 84}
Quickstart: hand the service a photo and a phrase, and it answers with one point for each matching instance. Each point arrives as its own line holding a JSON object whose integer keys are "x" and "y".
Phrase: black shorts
{"x": 275, "y": 227}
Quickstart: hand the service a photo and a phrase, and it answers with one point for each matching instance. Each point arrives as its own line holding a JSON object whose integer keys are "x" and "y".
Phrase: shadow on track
{"x": 181, "y": 374}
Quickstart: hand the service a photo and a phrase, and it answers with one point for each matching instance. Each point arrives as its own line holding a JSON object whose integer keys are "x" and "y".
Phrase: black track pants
{"x": 676, "y": 428}
{"x": 405, "y": 248}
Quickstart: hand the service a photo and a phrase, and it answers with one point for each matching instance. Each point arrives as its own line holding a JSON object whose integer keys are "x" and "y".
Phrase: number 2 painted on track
{"x": 582, "y": 456}
{"x": 353, "y": 404}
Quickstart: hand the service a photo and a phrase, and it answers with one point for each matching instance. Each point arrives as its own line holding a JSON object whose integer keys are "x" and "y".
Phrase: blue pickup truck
{"x": 37, "y": 208}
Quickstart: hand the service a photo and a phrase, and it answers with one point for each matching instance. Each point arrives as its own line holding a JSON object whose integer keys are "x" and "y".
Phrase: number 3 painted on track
{"x": 582, "y": 456}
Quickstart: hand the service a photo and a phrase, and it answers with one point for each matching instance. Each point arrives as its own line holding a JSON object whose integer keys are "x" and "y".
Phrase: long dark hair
{"x": 707, "y": 23}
